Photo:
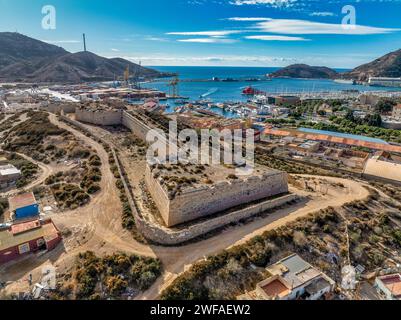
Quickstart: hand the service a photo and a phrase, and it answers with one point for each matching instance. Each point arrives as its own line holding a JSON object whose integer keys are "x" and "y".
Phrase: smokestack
{"x": 84, "y": 41}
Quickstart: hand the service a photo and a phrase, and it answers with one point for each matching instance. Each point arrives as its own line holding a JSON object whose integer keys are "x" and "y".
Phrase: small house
{"x": 27, "y": 237}
{"x": 23, "y": 206}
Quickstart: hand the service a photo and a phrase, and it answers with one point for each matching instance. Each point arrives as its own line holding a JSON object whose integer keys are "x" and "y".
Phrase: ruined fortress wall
{"x": 137, "y": 127}
{"x": 199, "y": 202}
{"x": 159, "y": 195}
{"x": 59, "y": 108}
{"x": 99, "y": 117}
{"x": 174, "y": 237}
{"x": 167, "y": 236}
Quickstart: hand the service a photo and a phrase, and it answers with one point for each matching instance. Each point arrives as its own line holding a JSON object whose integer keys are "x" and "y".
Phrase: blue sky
{"x": 216, "y": 32}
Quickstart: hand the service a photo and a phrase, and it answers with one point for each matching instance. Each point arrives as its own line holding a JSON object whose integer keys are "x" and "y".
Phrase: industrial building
{"x": 8, "y": 174}
{"x": 292, "y": 278}
{"x": 384, "y": 82}
{"x": 27, "y": 237}
{"x": 23, "y": 206}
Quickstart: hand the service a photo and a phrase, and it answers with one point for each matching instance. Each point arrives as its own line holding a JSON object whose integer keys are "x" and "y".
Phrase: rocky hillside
{"x": 23, "y": 59}
{"x": 386, "y": 66}
{"x": 305, "y": 72}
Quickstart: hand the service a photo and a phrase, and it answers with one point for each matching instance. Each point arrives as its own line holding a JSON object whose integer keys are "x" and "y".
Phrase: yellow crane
{"x": 126, "y": 76}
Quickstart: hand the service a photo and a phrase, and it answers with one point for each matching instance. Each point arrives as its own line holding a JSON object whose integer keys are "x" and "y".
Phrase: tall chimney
{"x": 84, "y": 42}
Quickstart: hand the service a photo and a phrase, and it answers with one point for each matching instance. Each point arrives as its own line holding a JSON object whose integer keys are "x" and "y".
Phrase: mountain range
{"x": 387, "y": 66}
{"x": 23, "y": 59}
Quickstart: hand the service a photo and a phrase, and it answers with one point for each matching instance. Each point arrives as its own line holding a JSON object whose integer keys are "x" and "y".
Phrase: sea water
{"x": 219, "y": 91}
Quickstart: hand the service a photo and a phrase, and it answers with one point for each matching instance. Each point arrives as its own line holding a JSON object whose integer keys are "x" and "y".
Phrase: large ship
{"x": 345, "y": 81}
{"x": 250, "y": 91}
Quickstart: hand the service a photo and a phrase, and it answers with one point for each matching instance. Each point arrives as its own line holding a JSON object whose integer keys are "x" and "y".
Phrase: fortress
{"x": 99, "y": 115}
{"x": 202, "y": 200}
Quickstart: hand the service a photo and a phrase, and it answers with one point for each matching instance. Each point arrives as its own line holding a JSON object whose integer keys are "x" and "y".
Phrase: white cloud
{"x": 248, "y": 19}
{"x": 276, "y": 38}
{"x": 272, "y": 3}
{"x": 208, "y": 40}
{"x": 156, "y": 39}
{"x": 287, "y": 26}
{"x": 115, "y": 50}
{"x": 205, "y": 33}
{"x": 322, "y": 14}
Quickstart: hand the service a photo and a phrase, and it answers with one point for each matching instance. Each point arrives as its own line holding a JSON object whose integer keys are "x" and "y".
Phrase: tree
{"x": 374, "y": 120}
{"x": 385, "y": 105}
{"x": 350, "y": 116}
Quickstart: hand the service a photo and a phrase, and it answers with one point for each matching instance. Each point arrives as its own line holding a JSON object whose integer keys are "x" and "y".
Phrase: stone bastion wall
{"x": 99, "y": 117}
{"x": 198, "y": 202}
{"x": 166, "y": 236}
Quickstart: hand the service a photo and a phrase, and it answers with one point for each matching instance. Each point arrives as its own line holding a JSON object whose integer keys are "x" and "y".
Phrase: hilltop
{"x": 23, "y": 59}
{"x": 388, "y": 65}
{"x": 305, "y": 71}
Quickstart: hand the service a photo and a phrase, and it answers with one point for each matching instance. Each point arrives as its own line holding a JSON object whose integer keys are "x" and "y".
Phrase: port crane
{"x": 174, "y": 87}
{"x": 126, "y": 76}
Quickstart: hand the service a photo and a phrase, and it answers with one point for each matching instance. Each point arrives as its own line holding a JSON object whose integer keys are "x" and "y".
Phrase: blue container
{"x": 27, "y": 212}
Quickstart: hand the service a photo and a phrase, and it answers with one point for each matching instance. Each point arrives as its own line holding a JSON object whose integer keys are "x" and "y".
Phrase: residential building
{"x": 30, "y": 236}
{"x": 389, "y": 286}
{"x": 292, "y": 278}
{"x": 8, "y": 175}
{"x": 23, "y": 206}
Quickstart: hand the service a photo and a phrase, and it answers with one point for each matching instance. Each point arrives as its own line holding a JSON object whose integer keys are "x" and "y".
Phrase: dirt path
{"x": 97, "y": 227}
{"x": 45, "y": 172}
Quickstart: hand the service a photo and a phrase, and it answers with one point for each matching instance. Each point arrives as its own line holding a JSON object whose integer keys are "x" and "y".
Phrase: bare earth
{"x": 97, "y": 227}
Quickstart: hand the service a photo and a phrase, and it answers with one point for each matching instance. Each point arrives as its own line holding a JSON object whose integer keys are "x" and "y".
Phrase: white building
{"x": 385, "y": 82}
{"x": 8, "y": 175}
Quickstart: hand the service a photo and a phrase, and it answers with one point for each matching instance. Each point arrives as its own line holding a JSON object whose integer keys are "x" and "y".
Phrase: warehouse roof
{"x": 21, "y": 201}
{"x": 8, "y": 169}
